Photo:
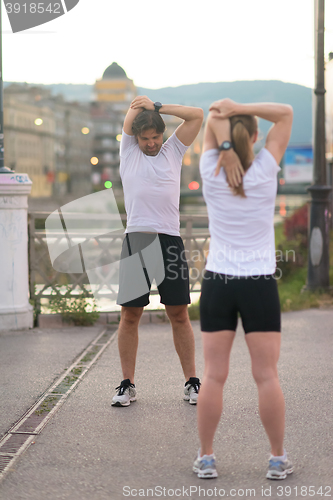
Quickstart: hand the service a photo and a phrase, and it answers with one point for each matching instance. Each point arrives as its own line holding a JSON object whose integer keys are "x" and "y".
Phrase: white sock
{"x": 283, "y": 458}
{"x": 208, "y": 456}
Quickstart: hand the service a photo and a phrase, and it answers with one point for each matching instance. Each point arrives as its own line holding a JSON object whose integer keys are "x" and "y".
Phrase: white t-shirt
{"x": 152, "y": 185}
{"x": 242, "y": 229}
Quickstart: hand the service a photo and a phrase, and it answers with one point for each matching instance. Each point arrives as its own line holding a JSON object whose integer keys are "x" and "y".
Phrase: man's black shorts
{"x": 255, "y": 298}
{"x": 174, "y": 290}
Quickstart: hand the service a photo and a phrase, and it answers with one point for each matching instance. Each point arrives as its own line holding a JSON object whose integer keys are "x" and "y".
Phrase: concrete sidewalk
{"x": 92, "y": 451}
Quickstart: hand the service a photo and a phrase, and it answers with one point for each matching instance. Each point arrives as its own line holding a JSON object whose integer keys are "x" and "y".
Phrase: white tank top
{"x": 242, "y": 229}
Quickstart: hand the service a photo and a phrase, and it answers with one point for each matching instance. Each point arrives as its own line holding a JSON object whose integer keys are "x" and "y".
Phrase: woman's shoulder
{"x": 265, "y": 155}
{"x": 209, "y": 155}
{"x": 265, "y": 162}
{"x": 208, "y": 161}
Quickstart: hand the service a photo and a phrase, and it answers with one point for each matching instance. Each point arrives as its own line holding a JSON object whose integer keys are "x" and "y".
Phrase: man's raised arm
{"x": 193, "y": 117}
{"x": 131, "y": 114}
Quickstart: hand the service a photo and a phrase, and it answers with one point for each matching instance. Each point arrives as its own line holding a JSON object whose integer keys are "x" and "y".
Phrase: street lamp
{"x": 3, "y": 169}
{"x": 2, "y": 161}
{"x": 318, "y": 262}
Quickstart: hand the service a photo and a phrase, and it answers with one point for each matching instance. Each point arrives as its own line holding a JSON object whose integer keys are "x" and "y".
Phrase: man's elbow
{"x": 199, "y": 115}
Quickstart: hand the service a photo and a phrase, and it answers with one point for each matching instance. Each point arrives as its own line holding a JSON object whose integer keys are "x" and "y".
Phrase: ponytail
{"x": 243, "y": 127}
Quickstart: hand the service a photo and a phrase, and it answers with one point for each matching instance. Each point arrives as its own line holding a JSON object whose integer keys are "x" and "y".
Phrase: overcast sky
{"x": 170, "y": 42}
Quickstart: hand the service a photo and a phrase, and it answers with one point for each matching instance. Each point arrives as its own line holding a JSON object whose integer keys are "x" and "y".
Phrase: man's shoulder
{"x": 128, "y": 139}
{"x": 174, "y": 143}
{"x": 128, "y": 144}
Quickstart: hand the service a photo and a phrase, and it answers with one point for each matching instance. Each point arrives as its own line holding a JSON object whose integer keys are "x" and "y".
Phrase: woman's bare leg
{"x": 264, "y": 350}
{"x": 217, "y": 348}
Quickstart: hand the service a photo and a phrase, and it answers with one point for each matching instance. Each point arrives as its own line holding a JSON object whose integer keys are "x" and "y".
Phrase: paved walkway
{"x": 90, "y": 451}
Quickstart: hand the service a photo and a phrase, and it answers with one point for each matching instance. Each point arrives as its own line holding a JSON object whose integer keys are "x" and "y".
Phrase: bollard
{"x": 16, "y": 313}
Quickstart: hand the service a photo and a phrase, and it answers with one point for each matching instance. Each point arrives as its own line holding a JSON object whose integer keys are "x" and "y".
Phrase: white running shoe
{"x": 279, "y": 469}
{"x": 125, "y": 395}
{"x": 191, "y": 391}
{"x": 205, "y": 466}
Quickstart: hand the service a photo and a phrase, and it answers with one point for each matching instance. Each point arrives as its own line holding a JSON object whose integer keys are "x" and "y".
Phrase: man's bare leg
{"x": 128, "y": 339}
{"x": 183, "y": 338}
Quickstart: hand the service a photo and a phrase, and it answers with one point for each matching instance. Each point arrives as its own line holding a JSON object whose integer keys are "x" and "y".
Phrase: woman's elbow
{"x": 289, "y": 110}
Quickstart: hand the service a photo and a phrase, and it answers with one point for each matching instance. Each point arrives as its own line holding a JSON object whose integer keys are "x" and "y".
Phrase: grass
{"x": 293, "y": 297}
{"x": 47, "y": 405}
{"x": 79, "y": 310}
{"x": 194, "y": 311}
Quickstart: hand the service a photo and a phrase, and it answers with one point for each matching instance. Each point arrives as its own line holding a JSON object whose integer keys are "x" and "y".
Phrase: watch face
{"x": 225, "y": 146}
{"x": 157, "y": 106}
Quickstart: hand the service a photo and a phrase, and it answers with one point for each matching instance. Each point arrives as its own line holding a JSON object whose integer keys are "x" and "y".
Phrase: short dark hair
{"x": 148, "y": 119}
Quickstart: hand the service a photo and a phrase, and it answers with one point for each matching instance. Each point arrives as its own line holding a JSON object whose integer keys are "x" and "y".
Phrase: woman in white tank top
{"x": 240, "y": 268}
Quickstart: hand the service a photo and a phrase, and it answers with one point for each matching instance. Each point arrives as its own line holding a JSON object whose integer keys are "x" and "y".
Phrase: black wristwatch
{"x": 157, "y": 106}
{"x": 225, "y": 146}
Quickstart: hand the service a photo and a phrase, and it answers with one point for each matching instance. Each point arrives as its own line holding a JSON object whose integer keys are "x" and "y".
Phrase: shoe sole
{"x": 118, "y": 403}
{"x": 191, "y": 401}
{"x": 208, "y": 474}
{"x": 276, "y": 475}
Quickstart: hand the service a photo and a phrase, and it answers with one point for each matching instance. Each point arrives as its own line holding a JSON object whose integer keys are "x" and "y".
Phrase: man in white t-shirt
{"x": 150, "y": 172}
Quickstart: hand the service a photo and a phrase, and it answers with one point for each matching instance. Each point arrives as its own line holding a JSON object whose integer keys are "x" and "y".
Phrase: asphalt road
{"x": 92, "y": 451}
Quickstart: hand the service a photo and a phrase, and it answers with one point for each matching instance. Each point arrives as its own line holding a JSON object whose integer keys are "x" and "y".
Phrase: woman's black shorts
{"x": 174, "y": 290}
{"x": 254, "y": 298}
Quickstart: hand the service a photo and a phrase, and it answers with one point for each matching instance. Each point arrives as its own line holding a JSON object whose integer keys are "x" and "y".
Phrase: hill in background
{"x": 203, "y": 94}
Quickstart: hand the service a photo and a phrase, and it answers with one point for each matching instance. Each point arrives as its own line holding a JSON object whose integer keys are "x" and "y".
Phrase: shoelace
{"x": 276, "y": 463}
{"x": 122, "y": 388}
{"x": 208, "y": 462}
{"x": 195, "y": 385}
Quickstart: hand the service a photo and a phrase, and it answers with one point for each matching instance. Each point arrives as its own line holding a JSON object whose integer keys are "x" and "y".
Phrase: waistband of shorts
{"x": 236, "y": 276}
{"x": 165, "y": 236}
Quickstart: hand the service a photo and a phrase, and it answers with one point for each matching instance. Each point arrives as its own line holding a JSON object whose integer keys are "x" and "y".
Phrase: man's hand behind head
{"x": 142, "y": 101}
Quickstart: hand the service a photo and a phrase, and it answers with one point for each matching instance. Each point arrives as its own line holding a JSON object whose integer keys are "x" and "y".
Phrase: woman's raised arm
{"x": 280, "y": 114}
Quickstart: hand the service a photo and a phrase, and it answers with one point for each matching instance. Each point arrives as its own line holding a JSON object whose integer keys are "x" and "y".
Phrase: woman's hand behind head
{"x": 223, "y": 108}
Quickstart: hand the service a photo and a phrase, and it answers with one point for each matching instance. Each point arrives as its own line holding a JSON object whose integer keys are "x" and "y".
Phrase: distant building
{"x": 113, "y": 96}
{"x": 107, "y": 125}
{"x": 29, "y": 140}
{"x": 115, "y": 88}
{"x": 190, "y": 170}
{"x": 62, "y": 156}
{"x": 73, "y": 148}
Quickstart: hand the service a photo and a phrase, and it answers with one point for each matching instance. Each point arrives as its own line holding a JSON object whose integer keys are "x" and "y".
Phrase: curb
{"x": 56, "y": 321}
